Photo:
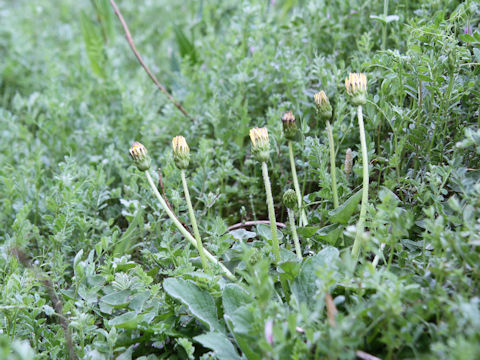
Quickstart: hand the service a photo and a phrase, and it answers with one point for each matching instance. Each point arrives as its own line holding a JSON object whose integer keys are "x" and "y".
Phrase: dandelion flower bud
{"x": 356, "y": 86}
{"x": 324, "y": 108}
{"x": 181, "y": 152}
{"x": 289, "y": 126}
{"x": 140, "y": 157}
{"x": 348, "y": 162}
{"x": 260, "y": 144}
{"x": 290, "y": 199}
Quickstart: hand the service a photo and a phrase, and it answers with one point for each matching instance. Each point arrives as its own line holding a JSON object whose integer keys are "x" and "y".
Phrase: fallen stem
{"x": 162, "y": 88}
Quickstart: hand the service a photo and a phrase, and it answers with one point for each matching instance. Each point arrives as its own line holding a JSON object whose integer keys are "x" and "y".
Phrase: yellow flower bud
{"x": 181, "y": 152}
{"x": 260, "y": 144}
{"x": 356, "y": 86}
{"x": 140, "y": 157}
{"x": 324, "y": 108}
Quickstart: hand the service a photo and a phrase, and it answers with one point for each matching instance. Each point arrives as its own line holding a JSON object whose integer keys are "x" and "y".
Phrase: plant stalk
{"x": 333, "y": 170}
{"x": 303, "y": 216}
{"x": 363, "y": 209}
{"x": 193, "y": 220}
{"x": 291, "y": 218}
{"x": 184, "y": 231}
{"x": 271, "y": 212}
{"x": 385, "y": 14}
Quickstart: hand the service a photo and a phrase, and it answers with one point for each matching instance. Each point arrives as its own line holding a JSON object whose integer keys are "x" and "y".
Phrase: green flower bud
{"x": 290, "y": 199}
{"x": 289, "y": 126}
{"x": 140, "y": 157}
{"x": 260, "y": 144}
{"x": 324, "y": 109}
{"x": 356, "y": 86}
{"x": 181, "y": 152}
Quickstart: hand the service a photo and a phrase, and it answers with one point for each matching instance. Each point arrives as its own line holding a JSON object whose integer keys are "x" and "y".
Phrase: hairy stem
{"x": 193, "y": 220}
{"x": 291, "y": 218}
{"x": 303, "y": 216}
{"x": 333, "y": 170}
{"x": 363, "y": 209}
{"x": 271, "y": 211}
{"x": 184, "y": 231}
{"x": 385, "y": 14}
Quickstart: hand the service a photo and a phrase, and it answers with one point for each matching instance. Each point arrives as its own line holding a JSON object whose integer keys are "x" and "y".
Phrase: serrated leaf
{"x": 344, "y": 212}
{"x": 199, "y": 302}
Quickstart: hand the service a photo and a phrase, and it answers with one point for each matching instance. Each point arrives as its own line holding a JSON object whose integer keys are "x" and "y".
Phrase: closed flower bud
{"x": 140, "y": 157}
{"x": 356, "y": 86}
{"x": 324, "y": 108}
{"x": 181, "y": 152}
{"x": 289, "y": 126}
{"x": 290, "y": 199}
{"x": 260, "y": 144}
{"x": 348, "y": 162}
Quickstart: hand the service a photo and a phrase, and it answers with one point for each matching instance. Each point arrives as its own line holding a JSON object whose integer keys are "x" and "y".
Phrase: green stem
{"x": 363, "y": 209}
{"x": 333, "y": 170}
{"x": 385, "y": 14}
{"x": 303, "y": 216}
{"x": 184, "y": 231}
{"x": 194, "y": 223}
{"x": 291, "y": 218}
{"x": 271, "y": 212}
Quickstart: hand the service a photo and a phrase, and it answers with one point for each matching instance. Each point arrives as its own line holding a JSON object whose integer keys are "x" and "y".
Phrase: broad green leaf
{"x": 344, "y": 212}
{"x": 307, "y": 231}
{"x": 233, "y": 297}
{"x": 219, "y": 343}
{"x": 329, "y": 233}
{"x": 117, "y": 299}
{"x": 129, "y": 320}
{"x": 199, "y": 302}
{"x": 305, "y": 287}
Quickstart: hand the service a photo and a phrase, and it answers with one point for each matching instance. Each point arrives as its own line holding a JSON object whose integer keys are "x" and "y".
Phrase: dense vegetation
{"x": 85, "y": 246}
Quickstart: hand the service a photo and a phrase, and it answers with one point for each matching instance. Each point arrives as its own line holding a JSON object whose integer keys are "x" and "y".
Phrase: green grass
{"x": 74, "y": 209}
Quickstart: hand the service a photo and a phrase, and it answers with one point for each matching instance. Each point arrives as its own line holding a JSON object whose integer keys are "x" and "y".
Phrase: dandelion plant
{"x": 261, "y": 153}
{"x": 181, "y": 155}
{"x": 356, "y": 86}
{"x": 290, "y": 202}
{"x": 142, "y": 160}
{"x": 290, "y": 131}
{"x": 324, "y": 109}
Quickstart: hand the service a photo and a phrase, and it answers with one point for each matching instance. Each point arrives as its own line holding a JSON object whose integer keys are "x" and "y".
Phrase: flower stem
{"x": 333, "y": 170}
{"x": 271, "y": 212}
{"x": 385, "y": 14}
{"x": 184, "y": 231}
{"x": 303, "y": 216}
{"x": 363, "y": 209}
{"x": 193, "y": 220}
{"x": 291, "y": 218}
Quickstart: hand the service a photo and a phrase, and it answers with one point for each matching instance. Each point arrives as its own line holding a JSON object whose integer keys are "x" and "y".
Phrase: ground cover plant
{"x": 353, "y": 126}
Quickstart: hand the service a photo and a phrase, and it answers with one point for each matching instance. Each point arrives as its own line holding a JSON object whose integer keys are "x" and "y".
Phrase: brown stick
{"x": 253, "y": 223}
{"x": 140, "y": 60}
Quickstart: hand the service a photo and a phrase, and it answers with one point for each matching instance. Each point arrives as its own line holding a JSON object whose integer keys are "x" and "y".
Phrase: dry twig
{"x": 162, "y": 88}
